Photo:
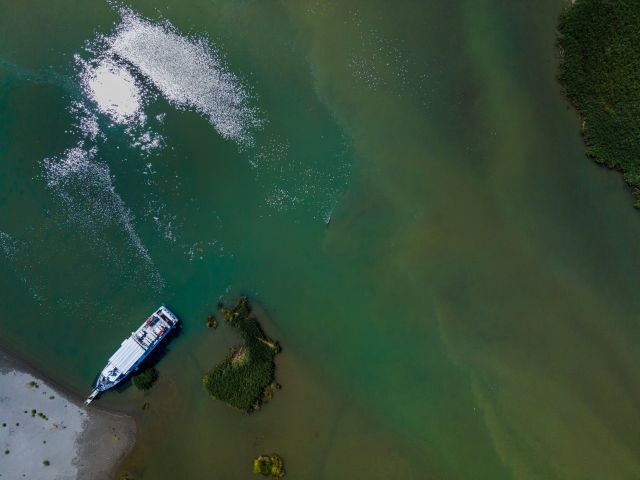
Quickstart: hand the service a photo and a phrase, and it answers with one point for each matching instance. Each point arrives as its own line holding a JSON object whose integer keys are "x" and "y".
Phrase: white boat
{"x": 134, "y": 350}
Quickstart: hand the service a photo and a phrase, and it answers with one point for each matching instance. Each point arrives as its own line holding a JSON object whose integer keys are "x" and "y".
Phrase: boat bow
{"x": 90, "y": 398}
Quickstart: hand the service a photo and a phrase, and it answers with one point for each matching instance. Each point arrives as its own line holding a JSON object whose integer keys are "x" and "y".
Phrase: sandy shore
{"x": 45, "y": 434}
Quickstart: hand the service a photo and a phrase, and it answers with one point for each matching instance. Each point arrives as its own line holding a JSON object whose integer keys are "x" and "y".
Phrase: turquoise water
{"x": 411, "y": 211}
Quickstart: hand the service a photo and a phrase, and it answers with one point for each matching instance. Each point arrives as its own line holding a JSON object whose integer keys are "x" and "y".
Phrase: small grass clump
{"x": 46, "y": 463}
{"x": 145, "y": 379}
{"x": 241, "y": 379}
{"x": 212, "y": 322}
{"x": 269, "y": 465}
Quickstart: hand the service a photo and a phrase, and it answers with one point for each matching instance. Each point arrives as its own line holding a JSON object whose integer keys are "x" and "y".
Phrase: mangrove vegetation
{"x": 600, "y": 74}
{"x": 246, "y": 377}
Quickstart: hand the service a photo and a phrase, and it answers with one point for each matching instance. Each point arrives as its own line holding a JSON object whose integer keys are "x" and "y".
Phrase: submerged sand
{"x": 45, "y": 434}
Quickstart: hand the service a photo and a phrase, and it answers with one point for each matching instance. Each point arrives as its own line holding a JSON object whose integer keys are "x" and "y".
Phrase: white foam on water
{"x": 124, "y": 70}
{"x": 8, "y": 245}
{"x": 148, "y": 142}
{"x": 377, "y": 61}
{"x": 187, "y": 72}
{"x": 113, "y": 89}
{"x": 12, "y": 248}
{"x": 293, "y": 184}
{"x": 165, "y": 223}
{"x": 119, "y": 74}
{"x": 86, "y": 188}
{"x": 87, "y": 122}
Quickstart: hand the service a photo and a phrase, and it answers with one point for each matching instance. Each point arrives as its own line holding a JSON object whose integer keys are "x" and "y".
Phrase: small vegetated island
{"x": 600, "y": 73}
{"x": 247, "y": 376}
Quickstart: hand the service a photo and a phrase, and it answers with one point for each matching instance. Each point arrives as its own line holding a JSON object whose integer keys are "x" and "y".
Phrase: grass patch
{"x": 241, "y": 379}
{"x": 145, "y": 379}
{"x": 600, "y": 73}
{"x": 269, "y": 465}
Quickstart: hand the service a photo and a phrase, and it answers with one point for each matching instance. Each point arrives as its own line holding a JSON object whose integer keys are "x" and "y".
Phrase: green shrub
{"x": 145, "y": 379}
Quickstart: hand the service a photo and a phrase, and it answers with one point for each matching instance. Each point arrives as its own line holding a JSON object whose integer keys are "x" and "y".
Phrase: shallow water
{"x": 466, "y": 312}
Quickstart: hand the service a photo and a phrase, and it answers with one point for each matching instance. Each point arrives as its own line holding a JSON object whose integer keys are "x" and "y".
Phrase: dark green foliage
{"x": 269, "y": 465}
{"x": 46, "y": 463}
{"x": 145, "y": 379}
{"x": 243, "y": 376}
{"x": 600, "y": 72}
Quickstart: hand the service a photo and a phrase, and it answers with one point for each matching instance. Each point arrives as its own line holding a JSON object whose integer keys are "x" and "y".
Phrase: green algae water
{"x": 400, "y": 189}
